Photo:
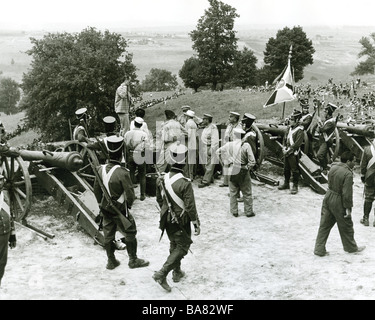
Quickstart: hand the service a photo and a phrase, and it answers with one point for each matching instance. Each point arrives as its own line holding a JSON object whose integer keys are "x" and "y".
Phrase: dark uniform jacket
{"x": 368, "y": 173}
{"x": 340, "y": 182}
{"x": 294, "y": 142}
{"x": 5, "y": 220}
{"x": 184, "y": 190}
{"x": 326, "y": 131}
{"x": 119, "y": 183}
{"x": 305, "y": 121}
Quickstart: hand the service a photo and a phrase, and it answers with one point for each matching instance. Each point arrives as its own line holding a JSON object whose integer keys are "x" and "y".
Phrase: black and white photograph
{"x": 187, "y": 150}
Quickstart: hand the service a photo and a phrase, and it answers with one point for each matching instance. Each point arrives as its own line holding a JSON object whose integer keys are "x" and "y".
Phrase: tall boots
{"x": 286, "y": 186}
{"x": 134, "y": 261}
{"x": 295, "y": 183}
{"x": 112, "y": 261}
{"x": 161, "y": 278}
{"x": 366, "y": 213}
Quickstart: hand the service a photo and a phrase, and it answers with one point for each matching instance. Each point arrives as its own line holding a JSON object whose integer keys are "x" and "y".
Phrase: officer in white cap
{"x": 182, "y": 117}
{"x": 7, "y": 229}
{"x": 179, "y": 189}
{"x": 117, "y": 182}
{"x": 80, "y": 132}
{"x": 209, "y": 145}
{"x": 192, "y": 145}
{"x": 136, "y": 142}
{"x": 239, "y": 158}
{"x": 233, "y": 122}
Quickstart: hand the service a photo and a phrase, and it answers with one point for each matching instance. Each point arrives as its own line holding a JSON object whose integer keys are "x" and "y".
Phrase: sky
{"x": 105, "y": 14}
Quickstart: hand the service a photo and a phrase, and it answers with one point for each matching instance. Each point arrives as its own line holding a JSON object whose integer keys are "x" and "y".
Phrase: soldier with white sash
{"x": 7, "y": 230}
{"x": 179, "y": 191}
{"x": 292, "y": 143}
{"x": 326, "y": 130}
{"x": 367, "y": 166}
{"x": 117, "y": 182}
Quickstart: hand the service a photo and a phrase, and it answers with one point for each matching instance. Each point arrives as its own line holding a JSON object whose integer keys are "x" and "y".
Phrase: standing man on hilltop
{"x": 123, "y": 102}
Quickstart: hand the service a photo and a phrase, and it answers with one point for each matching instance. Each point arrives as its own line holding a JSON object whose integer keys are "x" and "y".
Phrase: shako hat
{"x": 178, "y": 152}
{"x": 248, "y": 119}
{"x": 296, "y": 115}
{"x": 114, "y": 144}
{"x": 109, "y": 123}
{"x": 304, "y": 102}
{"x": 80, "y": 112}
{"x": 330, "y": 108}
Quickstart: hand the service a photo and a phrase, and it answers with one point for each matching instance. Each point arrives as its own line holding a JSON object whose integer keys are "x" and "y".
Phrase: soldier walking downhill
{"x": 177, "y": 190}
{"x": 117, "y": 182}
{"x": 337, "y": 207}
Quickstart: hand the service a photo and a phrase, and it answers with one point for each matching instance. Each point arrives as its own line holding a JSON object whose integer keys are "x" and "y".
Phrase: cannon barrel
{"x": 272, "y": 128}
{"x": 367, "y": 130}
{"x": 71, "y": 161}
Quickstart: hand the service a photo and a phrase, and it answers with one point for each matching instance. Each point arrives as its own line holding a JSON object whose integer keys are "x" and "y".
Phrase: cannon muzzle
{"x": 367, "y": 130}
{"x": 71, "y": 161}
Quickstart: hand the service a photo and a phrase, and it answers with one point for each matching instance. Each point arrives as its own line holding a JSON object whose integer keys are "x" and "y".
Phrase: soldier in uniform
{"x": 191, "y": 128}
{"x": 117, "y": 182}
{"x": 100, "y": 144}
{"x": 7, "y": 230}
{"x": 209, "y": 145}
{"x": 250, "y": 136}
{"x": 171, "y": 132}
{"x": 136, "y": 142}
{"x": 306, "y": 117}
{"x": 239, "y": 157}
{"x": 182, "y": 117}
{"x": 337, "y": 206}
{"x": 140, "y": 112}
{"x": 326, "y": 131}
{"x": 80, "y": 132}
{"x": 177, "y": 223}
{"x": 367, "y": 166}
{"x": 292, "y": 143}
{"x": 233, "y": 122}
{"x": 123, "y": 102}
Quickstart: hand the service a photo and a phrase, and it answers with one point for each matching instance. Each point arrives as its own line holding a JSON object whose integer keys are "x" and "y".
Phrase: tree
{"x": 367, "y": 66}
{"x": 277, "y": 50}
{"x": 245, "y": 69}
{"x": 9, "y": 95}
{"x": 71, "y": 71}
{"x": 159, "y": 80}
{"x": 191, "y": 73}
{"x": 215, "y": 41}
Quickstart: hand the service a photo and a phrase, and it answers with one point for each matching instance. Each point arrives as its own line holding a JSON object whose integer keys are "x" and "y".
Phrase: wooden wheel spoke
{"x": 19, "y": 201}
{"x": 20, "y": 192}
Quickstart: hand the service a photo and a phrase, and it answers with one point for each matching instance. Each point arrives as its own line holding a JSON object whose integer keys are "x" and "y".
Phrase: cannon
{"x": 273, "y": 135}
{"x": 18, "y": 186}
{"x": 355, "y": 137}
{"x": 71, "y": 161}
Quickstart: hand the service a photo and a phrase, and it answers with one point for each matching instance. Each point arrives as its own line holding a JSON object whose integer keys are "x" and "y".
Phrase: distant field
{"x": 335, "y": 56}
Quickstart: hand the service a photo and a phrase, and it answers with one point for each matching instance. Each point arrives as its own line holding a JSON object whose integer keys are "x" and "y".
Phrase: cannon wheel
{"x": 260, "y": 150}
{"x": 88, "y": 155}
{"x": 18, "y": 185}
{"x": 333, "y": 151}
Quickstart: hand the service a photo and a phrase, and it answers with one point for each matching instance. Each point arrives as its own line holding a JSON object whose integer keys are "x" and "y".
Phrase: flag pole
{"x": 283, "y": 114}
